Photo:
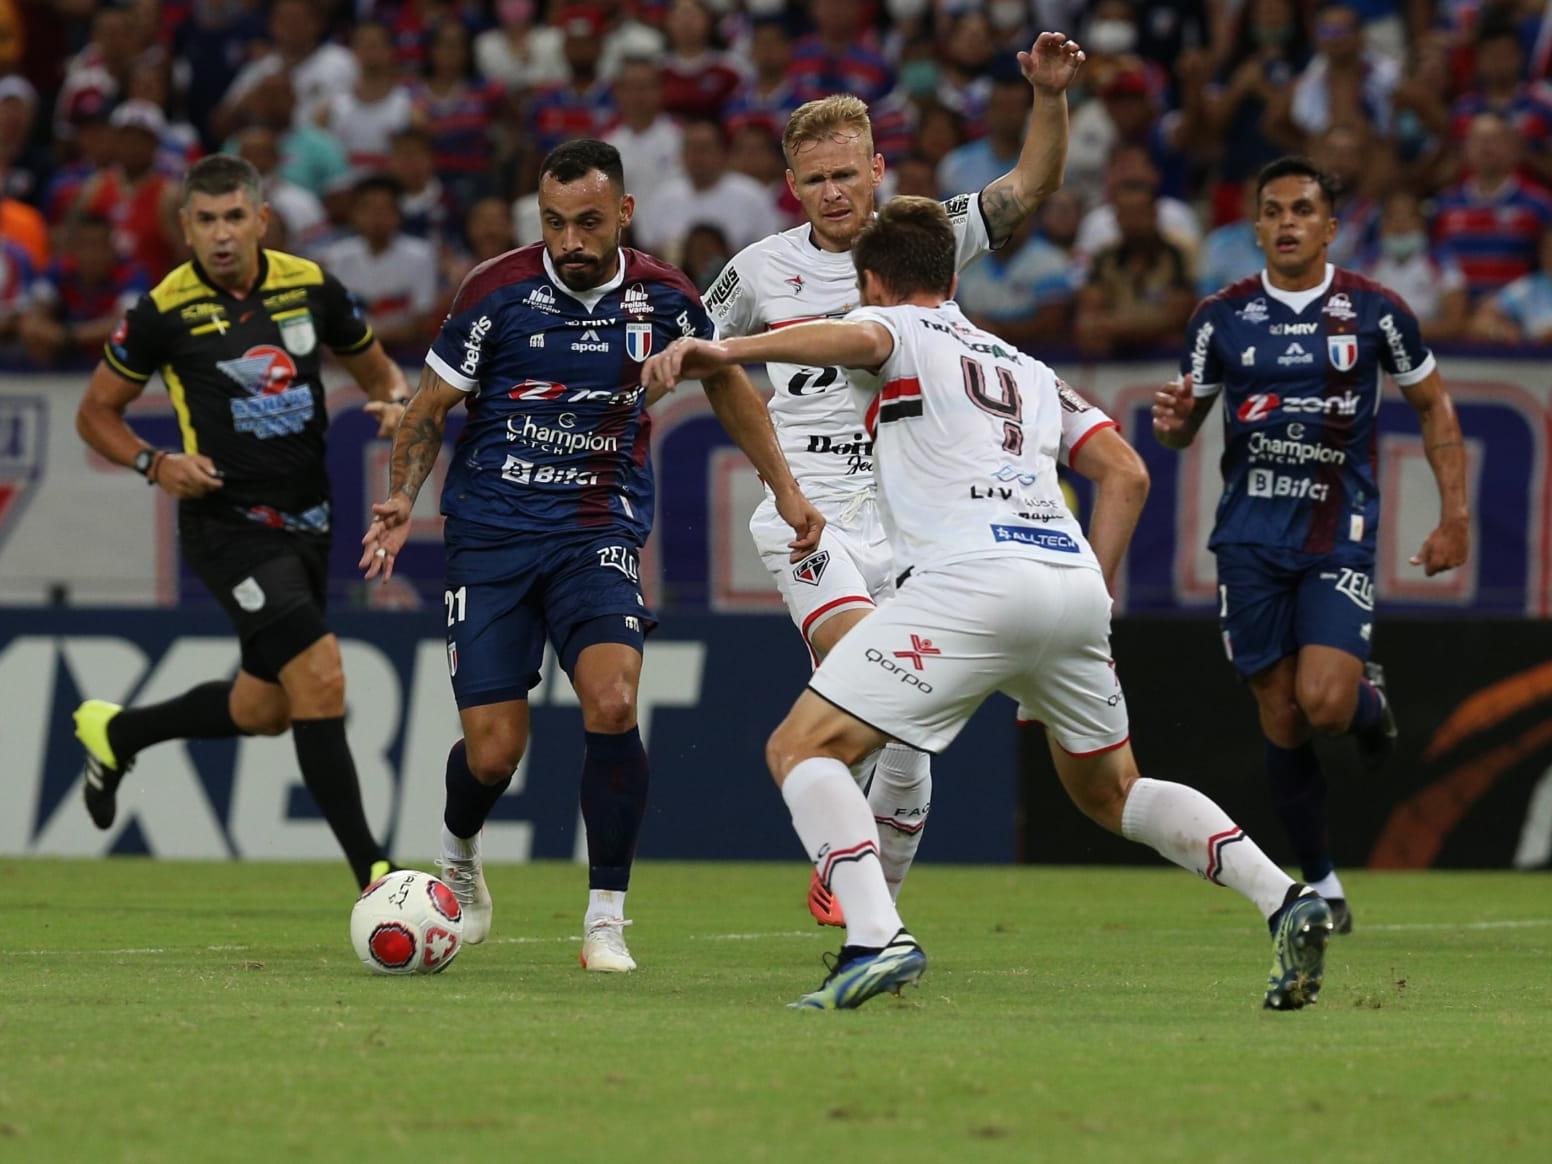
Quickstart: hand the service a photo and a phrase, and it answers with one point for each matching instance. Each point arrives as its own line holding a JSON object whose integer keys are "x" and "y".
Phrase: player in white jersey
{"x": 1004, "y": 594}
{"x": 806, "y": 274}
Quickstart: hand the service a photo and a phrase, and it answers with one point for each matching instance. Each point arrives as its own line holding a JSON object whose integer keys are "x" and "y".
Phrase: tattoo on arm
{"x": 1444, "y": 445}
{"x": 1003, "y": 209}
{"x": 416, "y": 445}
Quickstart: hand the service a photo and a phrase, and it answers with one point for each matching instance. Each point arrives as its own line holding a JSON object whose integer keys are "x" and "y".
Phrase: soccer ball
{"x": 407, "y": 922}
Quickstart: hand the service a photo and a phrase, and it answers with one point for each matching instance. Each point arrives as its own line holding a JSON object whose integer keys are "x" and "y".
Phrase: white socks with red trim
{"x": 900, "y": 797}
{"x": 835, "y": 824}
{"x": 1183, "y": 825}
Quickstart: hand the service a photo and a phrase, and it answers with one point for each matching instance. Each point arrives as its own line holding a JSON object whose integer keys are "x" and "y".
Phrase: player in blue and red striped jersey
{"x": 548, "y": 501}
{"x": 1297, "y": 354}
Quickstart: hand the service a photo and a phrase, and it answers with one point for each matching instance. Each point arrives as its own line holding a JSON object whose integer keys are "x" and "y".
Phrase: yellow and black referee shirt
{"x": 244, "y": 375}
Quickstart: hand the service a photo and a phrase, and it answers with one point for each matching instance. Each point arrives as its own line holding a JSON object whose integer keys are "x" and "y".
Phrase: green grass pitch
{"x": 186, "y": 1012}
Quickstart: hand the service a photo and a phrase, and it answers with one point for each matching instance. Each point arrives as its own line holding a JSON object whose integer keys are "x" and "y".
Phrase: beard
{"x": 578, "y": 271}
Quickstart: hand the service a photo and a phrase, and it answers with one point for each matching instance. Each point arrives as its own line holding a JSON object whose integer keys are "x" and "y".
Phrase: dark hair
{"x": 1296, "y": 166}
{"x": 92, "y": 218}
{"x": 1498, "y": 27}
{"x": 414, "y": 133}
{"x": 385, "y": 183}
{"x": 576, "y": 159}
{"x": 909, "y": 246}
{"x": 222, "y": 174}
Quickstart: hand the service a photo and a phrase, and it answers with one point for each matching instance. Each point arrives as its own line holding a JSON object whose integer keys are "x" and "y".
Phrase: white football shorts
{"x": 853, "y": 568}
{"x": 920, "y": 665}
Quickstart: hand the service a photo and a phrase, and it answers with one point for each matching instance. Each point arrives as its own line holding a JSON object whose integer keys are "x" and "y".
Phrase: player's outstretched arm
{"x": 1121, "y": 487}
{"x": 1178, "y": 414}
{"x": 1447, "y": 546}
{"x": 739, "y": 407}
{"x": 383, "y": 382}
{"x": 416, "y": 445}
{"x": 99, "y": 419}
{"x": 1049, "y": 66}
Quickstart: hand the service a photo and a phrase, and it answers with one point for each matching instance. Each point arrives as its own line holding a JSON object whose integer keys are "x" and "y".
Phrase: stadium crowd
{"x": 399, "y": 140}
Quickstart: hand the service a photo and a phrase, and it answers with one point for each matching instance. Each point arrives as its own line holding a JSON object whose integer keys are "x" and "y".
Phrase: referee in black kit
{"x": 238, "y": 334}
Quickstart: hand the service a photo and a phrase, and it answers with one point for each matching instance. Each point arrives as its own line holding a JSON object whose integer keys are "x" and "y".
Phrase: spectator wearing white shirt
{"x": 393, "y": 275}
{"x": 520, "y": 54}
{"x": 708, "y": 193}
{"x": 317, "y": 69}
{"x": 297, "y": 208}
{"x": 1026, "y": 290}
{"x": 367, "y": 115}
{"x": 1130, "y": 165}
{"x": 1435, "y": 289}
{"x": 650, "y": 142}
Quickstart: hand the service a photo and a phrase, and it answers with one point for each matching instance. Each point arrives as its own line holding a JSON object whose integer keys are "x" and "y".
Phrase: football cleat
{"x": 1341, "y": 916}
{"x": 1376, "y": 744}
{"x": 604, "y": 949}
{"x": 103, "y": 771}
{"x": 860, "y": 972}
{"x": 378, "y": 871}
{"x": 1299, "y": 953}
{"x": 466, "y": 878}
{"x": 823, "y": 904}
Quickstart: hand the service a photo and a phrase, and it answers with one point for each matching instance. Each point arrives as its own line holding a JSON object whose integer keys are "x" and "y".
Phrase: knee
{"x": 322, "y": 685}
{"x": 784, "y": 750}
{"x": 267, "y": 721}
{"x": 1284, "y": 724}
{"x": 1326, "y": 709}
{"x": 492, "y": 761}
{"x": 610, "y": 709}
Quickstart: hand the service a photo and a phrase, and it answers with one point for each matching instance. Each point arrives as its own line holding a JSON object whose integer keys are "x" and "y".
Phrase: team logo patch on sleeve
{"x": 1343, "y": 350}
{"x": 297, "y": 331}
{"x": 811, "y": 568}
{"x": 638, "y": 341}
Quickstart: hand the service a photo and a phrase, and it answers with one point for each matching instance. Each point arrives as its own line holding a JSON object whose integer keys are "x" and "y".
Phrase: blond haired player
{"x": 1004, "y": 594}
{"x": 806, "y": 274}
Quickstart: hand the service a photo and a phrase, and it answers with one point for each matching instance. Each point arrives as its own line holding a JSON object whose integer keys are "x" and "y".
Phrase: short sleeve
{"x": 1201, "y": 360}
{"x": 137, "y": 346}
{"x": 463, "y": 342}
{"x": 345, "y": 329}
{"x": 890, "y": 367}
{"x": 1080, "y": 420}
{"x": 730, "y": 302}
{"x": 1402, "y": 351}
{"x": 971, "y": 237}
{"x": 694, "y": 321}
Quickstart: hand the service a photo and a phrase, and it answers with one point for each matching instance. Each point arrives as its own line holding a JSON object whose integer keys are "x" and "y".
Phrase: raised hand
{"x": 1052, "y": 62}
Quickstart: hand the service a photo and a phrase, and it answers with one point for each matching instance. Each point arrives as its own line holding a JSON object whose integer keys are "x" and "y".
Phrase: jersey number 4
{"x": 1005, "y": 405}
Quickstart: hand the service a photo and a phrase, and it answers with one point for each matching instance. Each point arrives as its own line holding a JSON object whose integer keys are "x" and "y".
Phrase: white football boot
{"x": 604, "y": 948}
{"x": 466, "y": 878}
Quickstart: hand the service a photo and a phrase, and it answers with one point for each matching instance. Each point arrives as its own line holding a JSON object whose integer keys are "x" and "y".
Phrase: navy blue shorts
{"x": 505, "y": 598}
{"x": 1272, "y": 601}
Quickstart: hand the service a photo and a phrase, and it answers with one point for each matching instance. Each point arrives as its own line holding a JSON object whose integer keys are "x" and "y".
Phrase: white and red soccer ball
{"x": 407, "y": 922}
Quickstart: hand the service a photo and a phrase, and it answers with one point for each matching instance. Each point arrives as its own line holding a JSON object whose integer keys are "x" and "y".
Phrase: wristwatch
{"x": 143, "y": 461}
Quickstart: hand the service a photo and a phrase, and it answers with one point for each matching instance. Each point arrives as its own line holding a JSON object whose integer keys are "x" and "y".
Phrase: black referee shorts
{"x": 272, "y": 584}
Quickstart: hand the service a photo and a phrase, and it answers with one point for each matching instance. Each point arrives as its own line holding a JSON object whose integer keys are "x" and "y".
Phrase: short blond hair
{"x": 819, "y": 120}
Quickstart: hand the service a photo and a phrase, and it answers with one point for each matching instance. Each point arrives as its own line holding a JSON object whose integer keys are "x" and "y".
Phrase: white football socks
{"x": 900, "y": 797}
{"x": 603, "y": 903}
{"x": 1193, "y": 832}
{"x": 835, "y": 824}
{"x": 1328, "y": 887}
{"x": 459, "y": 848}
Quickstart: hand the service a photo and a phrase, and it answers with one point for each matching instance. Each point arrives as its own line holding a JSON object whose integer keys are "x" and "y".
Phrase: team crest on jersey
{"x": 1343, "y": 350}
{"x": 297, "y": 332}
{"x": 638, "y": 341}
{"x": 795, "y": 282}
{"x": 811, "y": 568}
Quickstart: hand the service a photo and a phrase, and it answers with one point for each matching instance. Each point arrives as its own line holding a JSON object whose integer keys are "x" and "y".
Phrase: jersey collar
{"x": 588, "y": 299}
{"x": 1298, "y": 300}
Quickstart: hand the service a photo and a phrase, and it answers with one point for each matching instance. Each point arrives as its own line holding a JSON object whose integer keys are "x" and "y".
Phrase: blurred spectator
{"x": 521, "y": 54}
{"x": 101, "y": 68}
{"x": 23, "y": 164}
{"x": 706, "y": 252}
{"x": 78, "y": 301}
{"x": 1109, "y": 40}
{"x": 91, "y": 149}
{"x": 317, "y": 69}
{"x": 1498, "y": 87}
{"x": 939, "y": 132}
{"x": 649, "y": 141}
{"x": 971, "y": 166}
{"x": 140, "y": 200}
{"x": 627, "y": 32}
{"x": 1491, "y": 223}
{"x": 1131, "y": 166}
{"x": 1434, "y": 289}
{"x": 698, "y": 79}
{"x": 427, "y": 208}
{"x": 366, "y": 116}
{"x": 310, "y": 155}
{"x": 967, "y": 54}
{"x": 768, "y": 97}
{"x": 1139, "y": 289}
{"x": 16, "y": 278}
{"x": 1169, "y": 29}
{"x": 841, "y": 55}
{"x": 707, "y": 194}
{"x": 1125, "y": 115}
{"x": 1025, "y": 290}
{"x": 914, "y": 174}
{"x": 487, "y": 232}
{"x": 297, "y": 208}
{"x": 584, "y": 105}
{"x": 1342, "y": 80}
{"x": 1422, "y": 115}
{"x": 1522, "y": 311}
{"x": 211, "y": 45}
{"x": 151, "y": 81}
{"x": 461, "y": 114}
{"x": 394, "y": 276}
{"x": 1357, "y": 166}
{"x": 756, "y": 153}
{"x": 1230, "y": 252}
{"x": 1269, "y": 49}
